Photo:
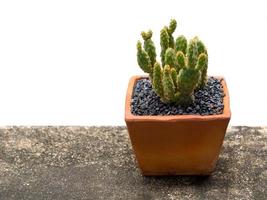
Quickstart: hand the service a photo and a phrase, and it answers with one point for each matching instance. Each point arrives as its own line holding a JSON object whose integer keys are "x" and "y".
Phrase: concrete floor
{"x": 98, "y": 163}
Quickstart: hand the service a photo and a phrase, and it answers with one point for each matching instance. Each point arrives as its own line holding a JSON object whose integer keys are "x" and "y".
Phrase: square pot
{"x": 176, "y": 144}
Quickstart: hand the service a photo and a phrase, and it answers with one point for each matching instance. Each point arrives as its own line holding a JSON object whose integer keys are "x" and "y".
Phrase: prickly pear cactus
{"x": 184, "y": 65}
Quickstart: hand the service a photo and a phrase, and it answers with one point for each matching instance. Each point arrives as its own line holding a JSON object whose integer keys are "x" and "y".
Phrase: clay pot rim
{"x": 129, "y": 117}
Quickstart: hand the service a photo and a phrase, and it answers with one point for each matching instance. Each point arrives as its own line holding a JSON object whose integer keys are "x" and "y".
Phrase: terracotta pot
{"x": 177, "y": 144}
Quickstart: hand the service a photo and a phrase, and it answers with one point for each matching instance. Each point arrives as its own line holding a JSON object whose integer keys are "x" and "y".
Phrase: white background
{"x": 69, "y": 62}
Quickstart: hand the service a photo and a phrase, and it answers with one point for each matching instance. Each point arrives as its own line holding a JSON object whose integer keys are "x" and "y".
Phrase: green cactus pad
{"x": 149, "y": 46}
{"x": 143, "y": 59}
{"x": 181, "y": 44}
{"x": 181, "y": 61}
{"x": 170, "y": 58}
{"x": 172, "y": 26}
{"x": 164, "y": 43}
{"x": 174, "y": 77}
{"x": 192, "y": 53}
{"x": 168, "y": 85}
{"x": 171, "y": 29}
{"x": 187, "y": 80}
{"x": 202, "y": 66}
{"x": 157, "y": 80}
{"x": 200, "y": 46}
{"x": 146, "y": 35}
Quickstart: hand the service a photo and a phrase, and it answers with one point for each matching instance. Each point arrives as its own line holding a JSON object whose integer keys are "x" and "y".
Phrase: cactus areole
{"x": 183, "y": 67}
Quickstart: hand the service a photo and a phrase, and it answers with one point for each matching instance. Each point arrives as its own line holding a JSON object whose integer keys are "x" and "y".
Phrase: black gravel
{"x": 208, "y": 101}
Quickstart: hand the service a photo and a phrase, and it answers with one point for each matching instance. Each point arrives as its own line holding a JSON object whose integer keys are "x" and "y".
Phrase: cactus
{"x": 164, "y": 43}
{"x": 181, "y": 60}
{"x": 171, "y": 29}
{"x": 168, "y": 85}
{"x": 170, "y": 58}
{"x": 143, "y": 58}
{"x": 157, "y": 80}
{"x": 181, "y": 44}
{"x": 149, "y": 46}
{"x": 202, "y": 66}
{"x": 184, "y": 65}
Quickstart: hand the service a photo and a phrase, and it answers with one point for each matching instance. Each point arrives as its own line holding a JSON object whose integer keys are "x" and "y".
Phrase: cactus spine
{"x": 184, "y": 65}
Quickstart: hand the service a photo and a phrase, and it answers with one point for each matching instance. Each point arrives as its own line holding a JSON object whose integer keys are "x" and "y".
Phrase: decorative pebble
{"x": 208, "y": 100}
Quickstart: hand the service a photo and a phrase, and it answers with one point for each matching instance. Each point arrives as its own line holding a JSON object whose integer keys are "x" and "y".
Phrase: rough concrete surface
{"x": 98, "y": 163}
